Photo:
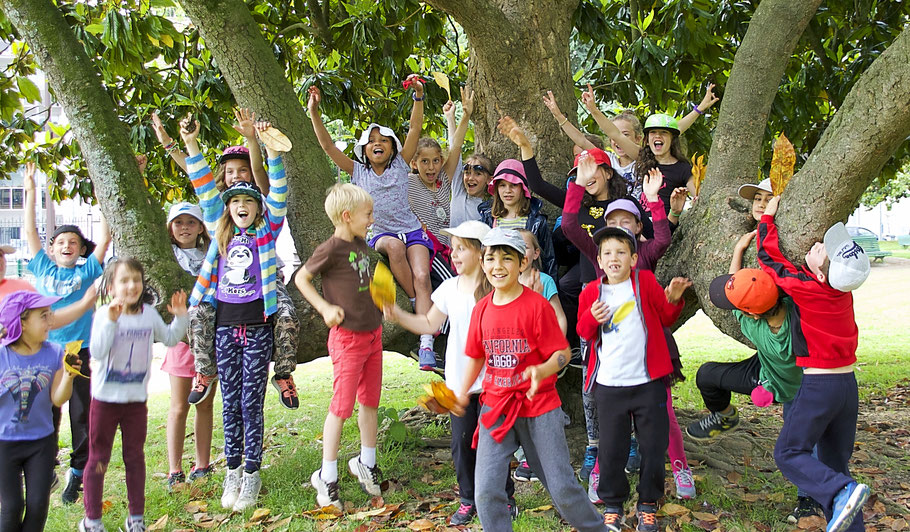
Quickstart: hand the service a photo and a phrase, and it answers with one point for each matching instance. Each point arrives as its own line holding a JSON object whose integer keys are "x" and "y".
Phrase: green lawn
{"x": 896, "y": 249}
{"x": 424, "y": 478}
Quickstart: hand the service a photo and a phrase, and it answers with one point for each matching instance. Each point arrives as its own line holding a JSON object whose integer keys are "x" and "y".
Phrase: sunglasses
{"x": 476, "y": 168}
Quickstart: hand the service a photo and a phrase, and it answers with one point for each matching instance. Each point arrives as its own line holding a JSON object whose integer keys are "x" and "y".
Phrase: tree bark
{"x": 137, "y": 221}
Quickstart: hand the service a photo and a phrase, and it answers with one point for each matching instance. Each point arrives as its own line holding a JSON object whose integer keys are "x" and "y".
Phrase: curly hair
{"x": 616, "y": 188}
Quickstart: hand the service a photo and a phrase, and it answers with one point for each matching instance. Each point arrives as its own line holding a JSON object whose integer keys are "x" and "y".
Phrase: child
{"x": 61, "y": 272}
{"x": 759, "y": 195}
{"x": 627, "y": 386}
{"x": 514, "y": 333}
{"x": 824, "y": 410}
{"x": 121, "y": 349}
{"x": 455, "y": 299}
{"x": 355, "y": 338}
{"x": 470, "y": 192}
{"x": 190, "y": 241}
{"x": 662, "y": 150}
{"x": 539, "y": 281}
{"x": 382, "y": 170}
{"x": 238, "y": 277}
{"x": 33, "y": 380}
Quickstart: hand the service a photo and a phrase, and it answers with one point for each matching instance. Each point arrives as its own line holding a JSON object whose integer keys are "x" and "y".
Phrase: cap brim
{"x": 748, "y": 192}
{"x": 718, "y": 293}
{"x": 228, "y": 156}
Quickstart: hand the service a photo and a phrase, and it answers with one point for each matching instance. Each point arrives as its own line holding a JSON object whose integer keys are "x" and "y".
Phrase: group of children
{"x": 477, "y": 234}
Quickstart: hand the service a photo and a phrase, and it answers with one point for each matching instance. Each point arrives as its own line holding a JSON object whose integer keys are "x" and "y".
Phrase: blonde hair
{"x": 344, "y": 197}
{"x": 224, "y": 230}
{"x": 534, "y": 243}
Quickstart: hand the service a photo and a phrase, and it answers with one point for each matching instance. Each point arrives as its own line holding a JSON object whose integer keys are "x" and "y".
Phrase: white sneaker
{"x": 131, "y": 525}
{"x": 326, "y": 492}
{"x": 249, "y": 490}
{"x": 85, "y": 527}
{"x": 232, "y": 481}
{"x": 368, "y": 476}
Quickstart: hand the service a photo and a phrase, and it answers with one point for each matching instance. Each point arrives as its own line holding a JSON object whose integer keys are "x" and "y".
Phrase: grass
{"x": 896, "y": 249}
{"x": 294, "y": 447}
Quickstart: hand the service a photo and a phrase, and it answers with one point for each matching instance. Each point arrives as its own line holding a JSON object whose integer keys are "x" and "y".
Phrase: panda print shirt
{"x": 240, "y": 283}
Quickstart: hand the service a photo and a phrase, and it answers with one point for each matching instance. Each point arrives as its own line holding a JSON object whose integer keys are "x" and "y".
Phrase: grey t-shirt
{"x": 391, "y": 210}
{"x": 463, "y": 206}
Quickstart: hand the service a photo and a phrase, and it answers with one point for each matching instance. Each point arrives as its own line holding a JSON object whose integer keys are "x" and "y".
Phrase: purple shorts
{"x": 418, "y": 236}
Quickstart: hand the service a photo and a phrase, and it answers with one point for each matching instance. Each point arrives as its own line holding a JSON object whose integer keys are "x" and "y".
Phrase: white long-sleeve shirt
{"x": 122, "y": 352}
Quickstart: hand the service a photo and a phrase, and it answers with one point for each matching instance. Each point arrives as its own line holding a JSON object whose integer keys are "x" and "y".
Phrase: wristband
{"x": 674, "y": 213}
{"x": 416, "y": 98}
{"x": 564, "y": 120}
{"x": 170, "y": 145}
{"x": 696, "y": 109}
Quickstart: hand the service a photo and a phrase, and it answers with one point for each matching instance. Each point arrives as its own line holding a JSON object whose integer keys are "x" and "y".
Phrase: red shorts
{"x": 356, "y": 369}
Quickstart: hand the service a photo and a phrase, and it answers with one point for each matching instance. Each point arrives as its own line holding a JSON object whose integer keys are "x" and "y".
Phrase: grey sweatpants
{"x": 544, "y": 441}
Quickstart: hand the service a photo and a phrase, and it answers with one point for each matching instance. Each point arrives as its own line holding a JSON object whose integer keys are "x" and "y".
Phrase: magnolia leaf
{"x": 443, "y": 81}
{"x": 782, "y": 163}
{"x": 28, "y": 89}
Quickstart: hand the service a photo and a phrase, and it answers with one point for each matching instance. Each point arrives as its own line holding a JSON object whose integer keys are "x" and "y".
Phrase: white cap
{"x": 365, "y": 138}
{"x": 184, "y": 208}
{"x": 505, "y": 237}
{"x": 849, "y": 266}
{"x": 748, "y": 191}
{"x": 470, "y": 229}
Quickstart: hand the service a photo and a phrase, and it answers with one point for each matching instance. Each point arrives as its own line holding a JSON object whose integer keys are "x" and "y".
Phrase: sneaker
{"x": 175, "y": 478}
{"x": 464, "y": 515}
{"x": 249, "y": 490}
{"x": 85, "y": 527}
{"x": 593, "y": 483}
{"x": 367, "y": 476}
{"x": 73, "y": 487}
{"x": 426, "y": 359}
{"x": 202, "y": 387}
{"x": 513, "y": 509}
{"x": 287, "y": 392}
{"x": 232, "y": 480}
{"x": 685, "y": 484}
{"x": 633, "y": 464}
{"x": 326, "y": 492}
{"x": 805, "y": 507}
{"x": 523, "y": 473}
{"x": 201, "y": 472}
{"x": 847, "y": 503}
{"x": 647, "y": 517}
{"x": 133, "y": 525}
{"x": 588, "y": 464}
{"x": 613, "y": 519}
{"x": 712, "y": 425}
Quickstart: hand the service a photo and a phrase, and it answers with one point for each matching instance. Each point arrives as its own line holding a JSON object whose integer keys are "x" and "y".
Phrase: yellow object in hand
{"x": 382, "y": 286}
{"x": 71, "y": 356}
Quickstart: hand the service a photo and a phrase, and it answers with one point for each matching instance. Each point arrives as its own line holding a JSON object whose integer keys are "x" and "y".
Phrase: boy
{"x": 514, "y": 331}
{"x": 60, "y": 273}
{"x": 621, "y": 317}
{"x": 355, "y": 337}
{"x": 824, "y": 410}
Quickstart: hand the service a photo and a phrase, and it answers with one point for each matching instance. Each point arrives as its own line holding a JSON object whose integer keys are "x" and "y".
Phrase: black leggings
{"x": 35, "y": 459}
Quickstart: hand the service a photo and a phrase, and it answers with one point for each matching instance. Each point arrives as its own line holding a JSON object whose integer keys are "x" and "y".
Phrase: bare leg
{"x": 331, "y": 437}
{"x": 397, "y": 254}
{"x": 176, "y": 421}
{"x": 419, "y": 261}
{"x": 203, "y": 428}
{"x": 368, "y": 422}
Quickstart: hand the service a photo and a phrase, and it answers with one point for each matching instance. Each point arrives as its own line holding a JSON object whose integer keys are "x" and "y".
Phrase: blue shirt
{"x": 549, "y": 286}
{"x": 25, "y": 392}
{"x": 70, "y": 284}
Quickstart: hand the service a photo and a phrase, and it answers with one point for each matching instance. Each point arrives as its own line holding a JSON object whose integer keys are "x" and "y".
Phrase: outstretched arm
{"x": 104, "y": 242}
{"x": 427, "y": 323}
{"x": 169, "y": 144}
{"x": 511, "y": 130}
{"x": 246, "y": 126}
{"x": 416, "y": 123}
{"x": 706, "y": 103}
{"x": 607, "y": 126}
{"x": 29, "y": 223}
{"x": 567, "y": 127}
{"x": 736, "y": 263}
{"x": 456, "y": 141}
{"x": 322, "y": 134}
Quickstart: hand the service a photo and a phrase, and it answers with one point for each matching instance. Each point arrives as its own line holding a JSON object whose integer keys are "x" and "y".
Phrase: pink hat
{"x": 512, "y": 171}
{"x": 234, "y": 152}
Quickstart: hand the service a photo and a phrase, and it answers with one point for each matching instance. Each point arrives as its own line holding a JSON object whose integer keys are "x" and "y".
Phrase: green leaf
{"x": 647, "y": 22}
{"x": 398, "y": 432}
{"x": 95, "y": 29}
{"x": 578, "y": 74}
{"x": 618, "y": 56}
{"x": 28, "y": 90}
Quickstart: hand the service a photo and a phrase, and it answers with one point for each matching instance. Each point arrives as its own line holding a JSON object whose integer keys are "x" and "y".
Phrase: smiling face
{"x": 127, "y": 285}
{"x": 533, "y": 250}
{"x": 67, "y": 248}
{"x": 476, "y": 180}
{"x": 360, "y": 219}
{"x": 186, "y": 230}
{"x": 624, "y": 219}
{"x": 237, "y": 170}
{"x": 659, "y": 140}
{"x": 36, "y": 324}
{"x": 509, "y": 193}
{"x": 429, "y": 163}
{"x": 615, "y": 258}
{"x": 243, "y": 210}
{"x": 378, "y": 150}
{"x": 628, "y": 130}
{"x": 465, "y": 257}
{"x": 502, "y": 265}
{"x": 597, "y": 186}
{"x": 759, "y": 202}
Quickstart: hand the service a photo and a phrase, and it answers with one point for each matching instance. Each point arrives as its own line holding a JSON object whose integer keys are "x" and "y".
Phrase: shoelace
{"x": 464, "y": 509}
{"x": 135, "y": 526}
{"x": 633, "y": 451}
{"x": 590, "y": 459}
{"x": 647, "y": 517}
{"x": 684, "y": 478}
{"x": 246, "y": 490}
{"x": 710, "y": 419}
{"x": 612, "y": 519}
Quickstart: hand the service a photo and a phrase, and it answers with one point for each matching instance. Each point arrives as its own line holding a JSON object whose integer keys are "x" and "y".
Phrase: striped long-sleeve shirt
{"x": 266, "y": 231}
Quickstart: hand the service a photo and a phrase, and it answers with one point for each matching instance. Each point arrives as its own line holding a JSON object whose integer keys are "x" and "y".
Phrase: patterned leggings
{"x": 286, "y": 329}
{"x": 243, "y": 369}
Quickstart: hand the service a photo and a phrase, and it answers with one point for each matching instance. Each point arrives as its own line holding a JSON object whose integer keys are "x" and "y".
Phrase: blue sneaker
{"x": 588, "y": 465}
{"x": 847, "y": 503}
{"x": 426, "y": 359}
{"x": 633, "y": 464}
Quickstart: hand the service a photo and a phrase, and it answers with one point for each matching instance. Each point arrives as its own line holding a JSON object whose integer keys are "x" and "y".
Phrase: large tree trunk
{"x": 137, "y": 221}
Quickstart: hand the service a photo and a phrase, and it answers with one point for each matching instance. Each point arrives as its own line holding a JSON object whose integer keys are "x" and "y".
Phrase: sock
{"x": 92, "y": 522}
{"x": 593, "y": 443}
{"x": 368, "y": 456}
{"x": 413, "y": 301}
{"x": 329, "y": 471}
{"x": 76, "y": 472}
{"x": 426, "y": 341}
{"x": 137, "y": 518}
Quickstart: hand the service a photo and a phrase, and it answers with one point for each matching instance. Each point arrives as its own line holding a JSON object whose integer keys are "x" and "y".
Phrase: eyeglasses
{"x": 476, "y": 168}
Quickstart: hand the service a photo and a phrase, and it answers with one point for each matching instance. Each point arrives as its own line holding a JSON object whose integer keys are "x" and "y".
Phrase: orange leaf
{"x": 699, "y": 168}
{"x": 782, "y": 163}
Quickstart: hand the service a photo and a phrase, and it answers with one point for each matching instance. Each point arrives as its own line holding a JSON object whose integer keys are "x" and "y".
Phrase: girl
{"x": 33, "y": 381}
{"x": 239, "y": 273}
{"x": 542, "y": 283}
{"x": 455, "y": 299}
{"x": 121, "y": 348}
{"x": 190, "y": 241}
{"x": 759, "y": 195}
{"x": 662, "y": 150}
{"x": 382, "y": 170}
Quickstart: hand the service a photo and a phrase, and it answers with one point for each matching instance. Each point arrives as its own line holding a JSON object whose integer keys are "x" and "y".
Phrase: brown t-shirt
{"x": 345, "y": 270}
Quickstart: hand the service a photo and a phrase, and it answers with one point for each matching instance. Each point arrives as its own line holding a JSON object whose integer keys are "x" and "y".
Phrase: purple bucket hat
{"x": 11, "y": 310}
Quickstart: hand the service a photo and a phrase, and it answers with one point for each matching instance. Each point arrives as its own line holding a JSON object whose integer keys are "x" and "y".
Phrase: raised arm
{"x": 511, "y": 130}
{"x": 246, "y": 125}
{"x": 277, "y": 198}
{"x": 29, "y": 223}
{"x": 169, "y": 144}
{"x": 567, "y": 127}
{"x": 416, "y": 122}
{"x": 736, "y": 263}
{"x": 700, "y": 109}
{"x": 456, "y": 140}
{"x": 607, "y": 126}
{"x": 322, "y": 134}
{"x": 104, "y": 242}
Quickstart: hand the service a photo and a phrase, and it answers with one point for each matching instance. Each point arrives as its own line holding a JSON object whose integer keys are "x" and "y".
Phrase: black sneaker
{"x": 72, "y": 488}
{"x": 633, "y": 463}
{"x": 647, "y": 517}
{"x": 805, "y": 507}
{"x": 287, "y": 391}
{"x": 712, "y": 425}
{"x": 524, "y": 473}
{"x": 513, "y": 509}
{"x": 202, "y": 387}
{"x": 464, "y": 515}
{"x": 175, "y": 478}
{"x": 201, "y": 472}
{"x": 613, "y": 519}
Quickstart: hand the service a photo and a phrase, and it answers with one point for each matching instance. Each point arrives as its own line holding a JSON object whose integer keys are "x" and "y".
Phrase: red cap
{"x": 749, "y": 290}
{"x": 600, "y": 157}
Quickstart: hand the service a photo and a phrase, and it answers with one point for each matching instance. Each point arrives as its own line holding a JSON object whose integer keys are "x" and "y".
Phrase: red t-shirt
{"x": 512, "y": 337}
{"x": 8, "y": 286}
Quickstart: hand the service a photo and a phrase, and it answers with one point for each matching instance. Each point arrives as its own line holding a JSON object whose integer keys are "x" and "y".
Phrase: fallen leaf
{"x": 259, "y": 514}
{"x": 106, "y": 506}
{"x": 359, "y": 516}
{"x": 421, "y": 524}
{"x": 704, "y": 516}
{"x": 776, "y": 497}
{"x": 734, "y": 477}
{"x": 159, "y": 524}
{"x": 673, "y": 510}
{"x": 278, "y": 524}
{"x": 196, "y": 506}
{"x": 377, "y": 502}
{"x": 543, "y": 508}
{"x": 900, "y": 524}
{"x": 811, "y": 522}
{"x": 751, "y": 497}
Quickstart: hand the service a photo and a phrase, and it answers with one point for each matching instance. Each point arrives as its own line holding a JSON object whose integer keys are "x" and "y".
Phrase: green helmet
{"x": 661, "y": 121}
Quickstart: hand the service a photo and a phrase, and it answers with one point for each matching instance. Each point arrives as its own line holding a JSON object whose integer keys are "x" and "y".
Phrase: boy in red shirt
{"x": 514, "y": 333}
{"x": 825, "y": 408}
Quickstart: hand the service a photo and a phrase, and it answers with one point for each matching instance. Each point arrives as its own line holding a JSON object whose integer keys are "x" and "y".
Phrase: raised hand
{"x": 416, "y": 84}
{"x": 115, "y": 309}
{"x": 467, "y": 101}
{"x": 142, "y": 161}
{"x": 508, "y": 127}
{"x": 314, "y": 98}
{"x": 448, "y": 110}
{"x": 675, "y": 289}
{"x": 652, "y": 183}
{"x": 550, "y": 101}
{"x": 177, "y": 306}
{"x": 771, "y": 208}
{"x": 186, "y": 125}
{"x": 709, "y": 99}
{"x": 587, "y": 167}
{"x": 245, "y": 122}
{"x": 28, "y": 181}
{"x": 678, "y": 199}
{"x": 159, "y": 130}
{"x": 587, "y": 98}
